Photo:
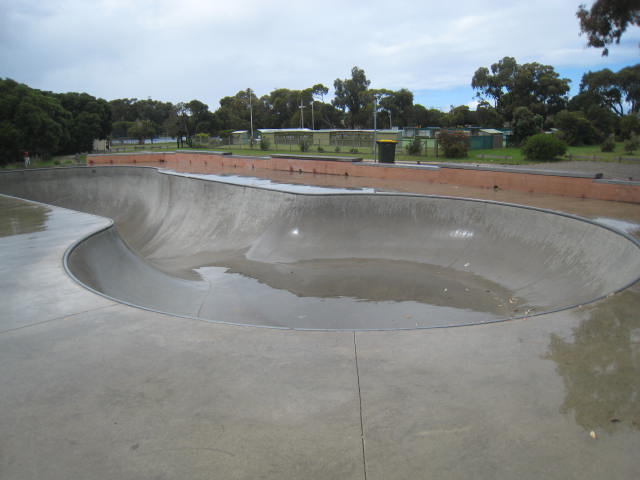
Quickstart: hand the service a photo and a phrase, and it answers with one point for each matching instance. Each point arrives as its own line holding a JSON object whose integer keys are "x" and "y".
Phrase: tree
{"x": 120, "y": 128}
{"x": 461, "y": 116}
{"x": 351, "y": 97}
{"x": 533, "y": 85}
{"x": 576, "y": 128}
{"x": 30, "y": 120}
{"x": 603, "y": 88}
{"x": 282, "y": 106}
{"x": 618, "y": 91}
{"x": 629, "y": 84}
{"x": 629, "y": 126}
{"x": 525, "y": 124}
{"x": 142, "y": 129}
{"x": 606, "y": 21}
{"x": 398, "y": 106}
{"x": 90, "y": 119}
{"x": 487, "y": 116}
{"x": 131, "y": 110}
{"x": 321, "y": 90}
{"x": 431, "y": 117}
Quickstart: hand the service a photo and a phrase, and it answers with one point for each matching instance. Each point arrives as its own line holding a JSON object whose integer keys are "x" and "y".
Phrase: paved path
{"x": 96, "y": 389}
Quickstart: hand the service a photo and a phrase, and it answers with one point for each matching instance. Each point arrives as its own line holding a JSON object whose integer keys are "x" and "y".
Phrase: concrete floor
{"x": 95, "y": 389}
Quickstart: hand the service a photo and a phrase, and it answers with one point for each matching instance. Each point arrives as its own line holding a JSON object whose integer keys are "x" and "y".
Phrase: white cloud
{"x": 209, "y": 49}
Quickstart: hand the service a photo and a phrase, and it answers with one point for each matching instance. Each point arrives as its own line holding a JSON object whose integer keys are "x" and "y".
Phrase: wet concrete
{"x": 319, "y": 261}
{"x": 96, "y": 389}
{"x": 18, "y": 218}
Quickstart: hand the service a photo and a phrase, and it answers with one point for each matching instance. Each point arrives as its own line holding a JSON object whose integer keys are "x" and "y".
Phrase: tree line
{"x": 526, "y": 97}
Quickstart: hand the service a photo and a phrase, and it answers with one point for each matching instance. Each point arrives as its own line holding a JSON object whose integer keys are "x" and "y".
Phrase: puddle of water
{"x": 18, "y": 217}
{"x": 351, "y": 293}
{"x": 600, "y": 366}
{"x": 269, "y": 184}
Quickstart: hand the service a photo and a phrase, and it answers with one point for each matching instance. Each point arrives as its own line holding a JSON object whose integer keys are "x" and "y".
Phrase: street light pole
{"x": 301, "y": 107}
{"x": 375, "y": 128}
{"x": 250, "y": 117}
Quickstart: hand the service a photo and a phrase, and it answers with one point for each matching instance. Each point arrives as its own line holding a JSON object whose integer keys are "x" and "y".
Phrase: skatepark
{"x": 160, "y": 325}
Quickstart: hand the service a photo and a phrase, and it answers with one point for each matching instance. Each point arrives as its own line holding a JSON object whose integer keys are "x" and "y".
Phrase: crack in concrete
{"x": 364, "y": 457}
{"x": 64, "y": 317}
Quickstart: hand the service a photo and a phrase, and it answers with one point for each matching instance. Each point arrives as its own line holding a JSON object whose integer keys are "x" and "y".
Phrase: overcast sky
{"x": 179, "y": 50}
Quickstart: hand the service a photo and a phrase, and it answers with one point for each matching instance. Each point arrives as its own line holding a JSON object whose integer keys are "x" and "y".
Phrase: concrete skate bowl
{"x": 242, "y": 255}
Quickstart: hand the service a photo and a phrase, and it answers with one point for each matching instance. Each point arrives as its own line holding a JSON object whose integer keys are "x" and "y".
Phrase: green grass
{"x": 594, "y": 150}
{"x": 475, "y": 156}
{"x": 56, "y": 161}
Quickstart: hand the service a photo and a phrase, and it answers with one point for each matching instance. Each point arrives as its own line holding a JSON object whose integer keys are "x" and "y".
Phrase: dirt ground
{"x": 617, "y": 170}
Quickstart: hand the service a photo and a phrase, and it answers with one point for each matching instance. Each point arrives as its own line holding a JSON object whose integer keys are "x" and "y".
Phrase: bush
{"x": 543, "y": 147}
{"x": 337, "y": 149}
{"x": 264, "y": 144}
{"x": 320, "y": 149}
{"x": 304, "y": 146}
{"x": 354, "y": 150}
{"x": 609, "y": 144}
{"x": 453, "y": 144}
{"x": 632, "y": 144}
{"x": 415, "y": 147}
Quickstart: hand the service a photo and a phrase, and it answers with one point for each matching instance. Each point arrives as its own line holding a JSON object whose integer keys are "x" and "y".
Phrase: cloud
{"x": 189, "y": 49}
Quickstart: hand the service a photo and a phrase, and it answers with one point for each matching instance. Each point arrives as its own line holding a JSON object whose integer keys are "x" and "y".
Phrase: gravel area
{"x": 610, "y": 170}
{"x": 624, "y": 171}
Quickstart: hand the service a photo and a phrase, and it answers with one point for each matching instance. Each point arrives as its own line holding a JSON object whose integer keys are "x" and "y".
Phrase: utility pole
{"x": 301, "y": 107}
{"x": 375, "y": 128}
{"x": 250, "y": 116}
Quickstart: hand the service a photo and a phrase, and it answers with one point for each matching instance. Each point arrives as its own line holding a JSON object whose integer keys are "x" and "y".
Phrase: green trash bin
{"x": 387, "y": 151}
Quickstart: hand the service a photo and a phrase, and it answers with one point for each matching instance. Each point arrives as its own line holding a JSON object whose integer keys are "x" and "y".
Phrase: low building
{"x": 326, "y": 138}
{"x": 240, "y": 137}
{"x": 286, "y": 136}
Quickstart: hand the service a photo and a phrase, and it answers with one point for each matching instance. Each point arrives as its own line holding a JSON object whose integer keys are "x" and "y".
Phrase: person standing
{"x": 27, "y": 160}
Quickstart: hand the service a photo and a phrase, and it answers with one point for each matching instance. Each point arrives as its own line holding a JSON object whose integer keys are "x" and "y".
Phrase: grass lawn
{"x": 499, "y": 156}
{"x": 502, "y": 156}
{"x": 56, "y": 161}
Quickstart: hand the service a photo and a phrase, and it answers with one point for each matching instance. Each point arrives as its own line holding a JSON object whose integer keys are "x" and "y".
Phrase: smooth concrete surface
{"x": 96, "y": 389}
{"x": 243, "y": 255}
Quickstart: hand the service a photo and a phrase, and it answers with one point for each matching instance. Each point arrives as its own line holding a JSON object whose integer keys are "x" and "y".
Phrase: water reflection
{"x": 601, "y": 366}
{"x": 18, "y": 217}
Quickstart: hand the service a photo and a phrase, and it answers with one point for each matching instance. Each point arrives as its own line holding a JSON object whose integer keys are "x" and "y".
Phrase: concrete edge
{"x": 80, "y": 240}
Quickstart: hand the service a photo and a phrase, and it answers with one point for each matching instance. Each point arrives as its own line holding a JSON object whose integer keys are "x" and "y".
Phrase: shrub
{"x": 543, "y": 147}
{"x": 415, "y": 147}
{"x": 354, "y": 150}
{"x": 337, "y": 149}
{"x": 453, "y": 144}
{"x": 632, "y": 144}
{"x": 609, "y": 144}
{"x": 304, "y": 145}
{"x": 320, "y": 149}
{"x": 264, "y": 144}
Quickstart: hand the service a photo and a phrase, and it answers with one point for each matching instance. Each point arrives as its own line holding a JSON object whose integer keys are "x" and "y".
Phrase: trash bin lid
{"x": 386, "y": 141}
